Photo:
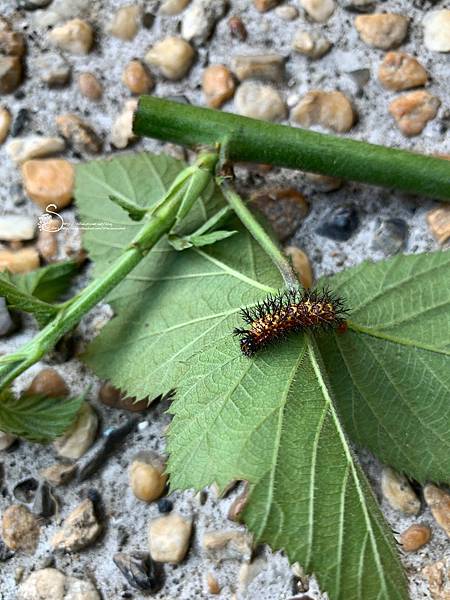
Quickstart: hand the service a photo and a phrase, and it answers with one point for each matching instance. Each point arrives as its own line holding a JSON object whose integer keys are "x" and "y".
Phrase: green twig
{"x": 258, "y": 141}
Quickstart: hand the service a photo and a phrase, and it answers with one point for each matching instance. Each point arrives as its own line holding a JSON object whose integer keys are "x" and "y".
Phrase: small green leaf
{"x": 17, "y": 299}
{"x": 197, "y": 241}
{"x": 47, "y": 283}
{"x": 136, "y": 213}
{"x": 37, "y": 418}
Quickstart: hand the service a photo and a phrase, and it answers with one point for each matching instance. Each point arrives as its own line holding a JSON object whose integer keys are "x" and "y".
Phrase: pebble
{"x": 239, "y": 503}
{"x": 140, "y": 571}
{"x": 20, "y": 529}
{"x": 49, "y": 181}
{"x": 80, "y": 529}
{"x": 301, "y": 265}
{"x": 212, "y": 584}
{"x": 17, "y": 228}
{"x": 173, "y": 56}
{"x": 61, "y": 11}
{"x": 267, "y": 67}
{"x": 47, "y": 245}
{"x": 80, "y": 436}
{"x": 172, "y": 7}
{"x": 58, "y": 474}
{"x": 311, "y": 43}
{"x": 147, "y": 477}
{"x": 323, "y": 183}
{"x": 232, "y": 544}
{"x": 75, "y": 36}
{"x": 10, "y": 74}
{"x": 436, "y": 30}
{"x": 51, "y": 584}
{"x": 390, "y": 236}
{"x": 168, "y": 538}
{"x": 412, "y": 111}
{"x": 165, "y": 506}
{"x": 415, "y": 537}
{"x": 33, "y": 4}
{"x": 126, "y": 22}
{"x": 438, "y": 501}
{"x": 286, "y": 12}
{"x": 44, "y": 504}
{"x": 36, "y": 146}
{"x": 438, "y": 575}
{"x": 137, "y": 78}
{"x": 319, "y": 10}
{"x": 20, "y": 122}
{"x": 79, "y": 133}
{"x": 332, "y": 110}
{"x": 48, "y": 382}
{"x": 12, "y": 43}
{"x": 398, "y": 492}
{"x": 384, "y": 31}
{"x": 113, "y": 397}
{"x": 254, "y": 99}
{"x": 53, "y": 69}
{"x": 339, "y": 224}
{"x": 122, "y": 129}
{"x": 25, "y": 490}
{"x": 358, "y": 5}
{"x": 237, "y": 28}
{"x": 438, "y": 221}
{"x": 200, "y": 19}
{"x": 400, "y": 71}
{"x": 90, "y": 86}
{"x": 19, "y": 261}
{"x": 285, "y": 208}
{"x": 5, "y": 123}
{"x": 265, "y": 5}
{"x": 6, "y": 439}
{"x": 218, "y": 85}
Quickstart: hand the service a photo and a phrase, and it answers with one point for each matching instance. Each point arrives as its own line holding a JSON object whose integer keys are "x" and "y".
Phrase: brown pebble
{"x": 20, "y": 528}
{"x": 265, "y": 5}
{"x": 301, "y": 265}
{"x": 5, "y": 123}
{"x": 239, "y": 503}
{"x": 113, "y": 397}
{"x": 10, "y": 74}
{"x": 218, "y": 85}
{"x": 212, "y": 584}
{"x": 413, "y": 111}
{"x": 90, "y": 86}
{"x": 49, "y": 181}
{"x": 147, "y": 477}
{"x": 438, "y": 221}
{"x": 58, "y": 473}
{"x": 401, "y": 71}
{"x": 19, "y": 261}
{"x": 332, "y": 110}
{"x": 237, "y": 28}
{"x": 48, "y": 382}
{"x": 415, "y": 537}
{"x": 382, "y": 30}
{"x": 438, "y": 501}
{"x": 47, "y": 244}
{"x": 75, "y": 36}
{"x": 81, "y": 135}
{"x": 137, "y": 78}
{"x": 438, "y": 575}
{"x": 12, "y": 43}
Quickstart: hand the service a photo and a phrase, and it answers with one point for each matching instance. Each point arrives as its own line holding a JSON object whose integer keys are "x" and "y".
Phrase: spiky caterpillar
{"x": 293, "y": 310}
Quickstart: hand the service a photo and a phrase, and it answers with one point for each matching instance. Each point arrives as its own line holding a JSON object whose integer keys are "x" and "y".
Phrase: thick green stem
{"x": 258, "y": 232}
{"x": 183, "y": 192}
{"x": 258, "y": 141}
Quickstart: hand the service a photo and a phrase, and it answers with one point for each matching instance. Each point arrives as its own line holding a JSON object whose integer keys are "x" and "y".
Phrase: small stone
{"x": 390, "y": 236}
{"x": 47, "y": 245}
{"x": 75, "y": 36}
{"x": 19, "y": 261}
{"x": 137, "y": 78}
{"x": 90, "y": 86}
{"x": 301, "y": 265}
{"x": 172, "y": 7}
{"x": 265, "y": 5}
{"x": 33, "y": 4}
{"x": 126, "y": 22}
{"x": 51, "y": 584}
{"x": 36, "y": 146}
{"x": 113, "y": 397}
{"x": 61, "y": 11}
{"x": 259, "y": 101}
{"x": 25, "y": 490}
{"x": 358, "y": 5}
{"x": 340, "y": 224}
{"x": 53, "y": 70}
{"x": 147, "y": 477}
{"x": 436, "y": 30}
{"x": 237, "y": 28}
{"x": 400, "y": 71}
{"x": 323, "y": 183}
{"x": 80, "y": 436}
{"x": 165, "y": 506}
{"x": 285, "y": 208}
{"x": 239, "y": 503}
{"x": 439, "y": 503}
{"x": 398, "y": 492}
{"x": 44, "y": 504}
{"x": 49, "y": 181}
{"x": 48, "y": 382}
{"x": 319, "y": 10}
{"x": 16, "y": 228}
{"x": 5, "y": 123}
{"x": 224, "y": 545}
{"x": 80, "y": 529}
{"x": 286, "y": 12}
{"x": 332, "y": 110}
{"x": 415, "y": 537}
{"x": 200, "y": 18}
{"x": 267, "y": 67}
{"x": 12, "y": 43}
{"x": 10, "y": 74}
{"x": 311, "y": 43}
{"x": 218, "y": 85}
{"x": 6, "y": 439}
{"x": 122, "y": 129}
{"x": 58, "y": 474}
{"x": 438, "y": 221}
{"x": 79, "y": 133}
{"x": 140, "y": 570}
{"x": 212, "y": 584}
{"x": 413, "y": 111}
{"x": 384, "y": 31}
{"x": 168, "y": 538}
{"x": 20, "y": 528}
{"x": 20, "y": 122}
{"x": 438, "y": 575}
{"x": 173, "y": 56}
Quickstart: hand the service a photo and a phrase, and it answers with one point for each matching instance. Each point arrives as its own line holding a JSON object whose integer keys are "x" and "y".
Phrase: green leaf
{"x": 20, "y": 300}
{"x": 47, "y": 283}
{"x": 197, "y": 241}
{"x": 136, "y": 213}
{"x": 37, "y": 418}
{"x": 390, "y": 372}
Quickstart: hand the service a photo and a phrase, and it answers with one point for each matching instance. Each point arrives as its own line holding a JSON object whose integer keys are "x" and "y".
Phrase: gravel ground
{"x": 266, "y": 33}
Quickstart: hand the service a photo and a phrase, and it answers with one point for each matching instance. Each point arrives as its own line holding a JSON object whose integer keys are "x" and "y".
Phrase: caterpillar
{"x": 293, "y": 310}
